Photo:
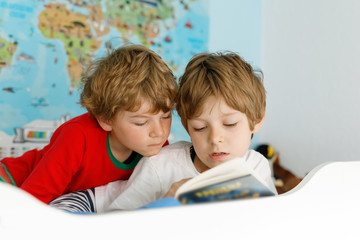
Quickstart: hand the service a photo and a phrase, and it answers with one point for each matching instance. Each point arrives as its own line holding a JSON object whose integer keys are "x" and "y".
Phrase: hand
{"x": 174, "y": 187}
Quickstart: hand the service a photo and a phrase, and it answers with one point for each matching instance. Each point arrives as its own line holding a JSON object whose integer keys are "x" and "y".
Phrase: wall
{"x": 310, "y": 57}
{"x": 236, "y": 25}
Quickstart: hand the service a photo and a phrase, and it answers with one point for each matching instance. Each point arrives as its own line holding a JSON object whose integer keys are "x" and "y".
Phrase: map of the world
{"x": 45, "y": 44}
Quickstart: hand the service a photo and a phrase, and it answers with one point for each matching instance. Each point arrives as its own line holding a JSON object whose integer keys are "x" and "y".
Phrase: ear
{"x": 258, "y": 125}
{"x": 105, "y": 125}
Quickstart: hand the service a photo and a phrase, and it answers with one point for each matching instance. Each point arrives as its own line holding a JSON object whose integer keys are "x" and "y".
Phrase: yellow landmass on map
{"x": 56, "y": 21}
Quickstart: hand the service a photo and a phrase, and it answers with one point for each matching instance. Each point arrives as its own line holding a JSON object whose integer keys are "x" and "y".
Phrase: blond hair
{"x": 124, "y": 79}
{"x": 224, "y": 75}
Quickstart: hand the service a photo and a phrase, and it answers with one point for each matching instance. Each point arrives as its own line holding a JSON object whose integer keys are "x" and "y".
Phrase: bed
{"x": 323, "y": 206}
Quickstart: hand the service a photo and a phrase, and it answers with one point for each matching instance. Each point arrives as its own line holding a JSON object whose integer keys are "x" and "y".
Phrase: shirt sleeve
{"x": 51, "y": 177}
{"x": 143, "y": 187}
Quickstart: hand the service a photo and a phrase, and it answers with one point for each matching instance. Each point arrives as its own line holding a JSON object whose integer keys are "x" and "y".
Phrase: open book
{"x": 231, "y": 180}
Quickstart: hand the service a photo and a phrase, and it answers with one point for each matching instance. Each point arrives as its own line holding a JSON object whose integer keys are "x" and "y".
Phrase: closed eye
{"x": 199, "y": 129}
{"x": 230, "y": 124}
{"x": 140, "y": 123}
{"x": 166, "y": 117}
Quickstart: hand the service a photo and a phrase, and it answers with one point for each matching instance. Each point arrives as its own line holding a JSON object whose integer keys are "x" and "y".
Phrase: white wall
{"x": 311, "y": 61}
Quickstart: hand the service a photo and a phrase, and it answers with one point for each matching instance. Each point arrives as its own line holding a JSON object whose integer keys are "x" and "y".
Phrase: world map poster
{"x": 46, "y": 44}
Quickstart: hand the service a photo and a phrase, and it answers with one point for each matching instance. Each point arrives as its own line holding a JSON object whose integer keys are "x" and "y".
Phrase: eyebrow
{"x": 224, "y": 115}
{"x": 139, "y": 116}
{"x": 145, "y": 115}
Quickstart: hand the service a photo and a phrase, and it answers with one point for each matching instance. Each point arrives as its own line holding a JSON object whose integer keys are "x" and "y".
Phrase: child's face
{"x": 219, "y": 134}
{"x": 141, "y": 131}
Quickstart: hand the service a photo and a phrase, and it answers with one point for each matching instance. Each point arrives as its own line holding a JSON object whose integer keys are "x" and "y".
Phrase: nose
{"x": 216, "y": 135}
{"x": 157, "y": 129}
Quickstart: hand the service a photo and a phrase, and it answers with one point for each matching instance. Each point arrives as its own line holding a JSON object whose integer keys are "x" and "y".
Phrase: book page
{"x": 229, "y": 170}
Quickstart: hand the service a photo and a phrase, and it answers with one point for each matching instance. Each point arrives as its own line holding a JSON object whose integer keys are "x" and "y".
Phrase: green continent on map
{"x": 7, "y": 54}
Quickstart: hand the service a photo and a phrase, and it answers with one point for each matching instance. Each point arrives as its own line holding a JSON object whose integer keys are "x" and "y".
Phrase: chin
{"x": 151, "y": 152}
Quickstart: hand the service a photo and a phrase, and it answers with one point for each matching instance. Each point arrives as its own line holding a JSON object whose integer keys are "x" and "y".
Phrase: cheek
{"x": 241, "y": 142}
{"x": 194, "y": 137}
{"x": 138, "y": 133}
{"x": 167, "y": 126}
{"x": 132, "y": 133}
{"x": 198, "y": 144}
{"x": 242, "y": 132}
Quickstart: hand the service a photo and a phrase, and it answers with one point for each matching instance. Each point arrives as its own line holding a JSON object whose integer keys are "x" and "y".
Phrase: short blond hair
{"x": 224, "y": 75}
{"x": 125, "y": 78}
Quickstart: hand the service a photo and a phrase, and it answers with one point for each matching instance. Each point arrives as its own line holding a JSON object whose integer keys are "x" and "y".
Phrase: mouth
{"x": 155, "y": 145}
{"x": 218, "y": 155}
